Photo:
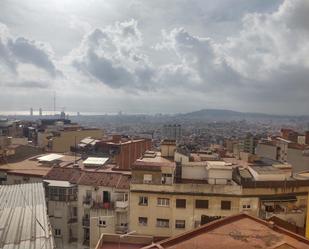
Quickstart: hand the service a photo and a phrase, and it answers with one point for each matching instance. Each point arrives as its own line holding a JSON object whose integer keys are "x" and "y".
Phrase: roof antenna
{"x": 54, "y": 102}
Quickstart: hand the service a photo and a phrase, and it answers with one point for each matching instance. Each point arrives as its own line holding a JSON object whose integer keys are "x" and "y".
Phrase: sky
{"x": 163, "y": 56}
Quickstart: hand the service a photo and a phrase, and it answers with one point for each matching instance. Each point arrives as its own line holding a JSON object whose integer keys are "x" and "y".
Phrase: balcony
{"x": 86, "y": 222}
{"x": 121, "y": 206}
{"x": 72, "y": 220}
{"x": 87, "y": 200}
{"x": 121, "y": 229}
{"x": 102, "y": 205}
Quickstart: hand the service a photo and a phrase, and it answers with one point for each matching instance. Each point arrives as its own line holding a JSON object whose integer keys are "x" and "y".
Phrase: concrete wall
{"x": 193, "y": 171}
{"x": 219, "y": 176}
{"x": 42, "y": 139}
{"x": 59, "y": 214}
{"x": 180, "y": 158}
{"x": 298, "y": 161}
{"x": 19, "y": 140}
{"x": 167, "y": 150}
{"x": 295, "y": 157}
{"x": 265, "y": 150}
{"x": 19, "y": 179}
{"x": 66, "y": 139}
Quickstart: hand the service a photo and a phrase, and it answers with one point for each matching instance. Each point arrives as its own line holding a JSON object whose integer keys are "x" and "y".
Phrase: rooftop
{"x": 49, "y": 158}
{"x": 56, "y": 183}
{"x": 23, "y": 217}
{"x": 95, "y": 161}
{"x": 109, "y": 178}
{"x": 267, "y": 170}
{"x": 152, "y": 164}
{"x": 234, "y": 232}
{"x": 218, "y": 165}
{"x": 117, "y": 241}
{"x": 32, "y": 166}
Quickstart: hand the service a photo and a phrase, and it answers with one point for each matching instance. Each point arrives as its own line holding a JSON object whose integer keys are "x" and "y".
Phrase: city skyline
{"x": 162, "y": 57}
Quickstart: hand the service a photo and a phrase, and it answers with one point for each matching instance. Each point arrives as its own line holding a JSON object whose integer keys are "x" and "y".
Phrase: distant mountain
{"x": 228, "y": 115}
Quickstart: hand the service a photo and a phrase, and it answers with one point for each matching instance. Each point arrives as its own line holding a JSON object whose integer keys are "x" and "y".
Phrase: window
{"x": 180, "y": 224}
{"x": 226, "y": 205}
{"x": 180, "y": 203}
{"x": 106, "y": 196}
{"x": 147, "y": 178}
{"x": 163, "y": 223}
{"x": 74, "y": 211}
{"x": 143, "y": 201}
{"x": 142, "y": 221}
{"x": 201, "y": 203}
{"x": 57, "y": 232}
{"x": 163, "y": 202}
{"x": 101, "y": 222}
{"x": 166, "y": 179}
{"x": 246, "y": 206}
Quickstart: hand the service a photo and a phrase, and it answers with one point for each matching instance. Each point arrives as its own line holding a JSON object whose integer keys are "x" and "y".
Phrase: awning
{"x": 285, "y": 198}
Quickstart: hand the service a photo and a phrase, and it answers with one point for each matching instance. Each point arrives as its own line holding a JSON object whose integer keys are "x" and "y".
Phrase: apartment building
{"x": 181, "y": 206}
{"x": 285, "y": 151}
{"x": 122, "y": 151}
{"x": 62, "y": 140}
{"x": 171, "y": 131}
{"x": 88, "y": 202}
{"x": 61, "y": 197}
{"x": 172, "y": 196}
{"x": 11, "y": 128}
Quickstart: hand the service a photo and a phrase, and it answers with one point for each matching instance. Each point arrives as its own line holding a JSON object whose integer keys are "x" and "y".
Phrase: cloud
{"x": 15, "y": 51}
{"x": 258, "y": 62}
{"x": 26, "y": 84}
{"x": 114, "y": 57}
{"x": 270, "y": 43}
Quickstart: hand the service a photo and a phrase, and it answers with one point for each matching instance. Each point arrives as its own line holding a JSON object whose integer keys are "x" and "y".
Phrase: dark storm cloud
{"x": 24, "y": 51}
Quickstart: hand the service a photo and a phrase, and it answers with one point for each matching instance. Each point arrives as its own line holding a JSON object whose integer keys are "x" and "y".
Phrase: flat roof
{"x": 267, "y": 170}
{"x": 32, "y": 167}
{"x": 49, "y": 157}
{"x": 218, "y": 165}
{"x": 56, "y": 183}
{"x": 23, "y": 217}
{"x": 96, "y": 160}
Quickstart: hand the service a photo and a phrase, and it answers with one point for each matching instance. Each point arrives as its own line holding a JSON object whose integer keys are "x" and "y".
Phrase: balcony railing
{"x": 122, "y": 205}
{"x": 66, "y": 198}
{"x": 102, "y": 205}
{"x": 121, "y": 229}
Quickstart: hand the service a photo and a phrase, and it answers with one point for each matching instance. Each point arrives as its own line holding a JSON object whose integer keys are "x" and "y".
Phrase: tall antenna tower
{"x": 54, "y": 103}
